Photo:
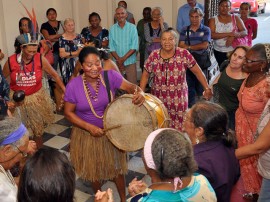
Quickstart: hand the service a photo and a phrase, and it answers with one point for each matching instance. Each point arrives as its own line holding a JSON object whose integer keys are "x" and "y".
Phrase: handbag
{"x": 203, "y": 59}
{"x": 238, "y": 41}
{"x": 49, "y": 54}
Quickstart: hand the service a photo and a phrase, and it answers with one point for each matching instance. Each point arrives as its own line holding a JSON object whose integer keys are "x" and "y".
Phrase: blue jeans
{"x": 194, "y": 87}
{"x": 264, "y": 195}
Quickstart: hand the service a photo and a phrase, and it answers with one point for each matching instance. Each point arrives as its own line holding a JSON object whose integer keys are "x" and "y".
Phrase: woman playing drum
{"x": 169, "y": 65}
{"x": 92, "y": 154}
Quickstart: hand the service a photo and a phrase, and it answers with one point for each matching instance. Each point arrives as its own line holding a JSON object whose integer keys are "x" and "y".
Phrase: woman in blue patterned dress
{"x": 70, "y": 45}
{"x": 95, "y": 32}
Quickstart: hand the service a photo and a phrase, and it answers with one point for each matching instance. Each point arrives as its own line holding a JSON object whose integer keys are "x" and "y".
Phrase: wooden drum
{"x": 128, "y": 125}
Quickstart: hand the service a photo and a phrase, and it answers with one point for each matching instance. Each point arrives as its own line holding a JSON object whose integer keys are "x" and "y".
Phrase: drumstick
{"x": 112, "y": 127}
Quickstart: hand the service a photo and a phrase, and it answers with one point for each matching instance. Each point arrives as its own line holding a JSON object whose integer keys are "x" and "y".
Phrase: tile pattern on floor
{"x": 57, "y": 136}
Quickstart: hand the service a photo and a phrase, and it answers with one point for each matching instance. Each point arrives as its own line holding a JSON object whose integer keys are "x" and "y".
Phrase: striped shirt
{"x": 124, "y": 39}
{"x": 201, "y": 35}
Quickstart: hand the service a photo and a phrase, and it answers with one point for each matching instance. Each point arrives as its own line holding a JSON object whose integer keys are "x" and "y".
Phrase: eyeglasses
{"x": 20, "y": 152}
{"x": 252, "y": 61}
{"x": 24, "y": 154}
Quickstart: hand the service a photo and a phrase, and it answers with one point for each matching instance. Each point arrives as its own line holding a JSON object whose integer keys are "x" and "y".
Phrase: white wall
{"x": 11, "y": 11}
{"x": 170, "y": 8}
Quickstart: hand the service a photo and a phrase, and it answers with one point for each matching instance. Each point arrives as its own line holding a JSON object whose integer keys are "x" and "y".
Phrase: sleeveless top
{"x": 28, "y": 78}
{"x": 220, "y": 44}
{"x": 227, "y": 90}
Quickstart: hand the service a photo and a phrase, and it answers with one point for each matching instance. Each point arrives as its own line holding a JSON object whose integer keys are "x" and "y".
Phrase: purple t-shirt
{"x": 75, "y": 94}
{"x": 219, "y": 165}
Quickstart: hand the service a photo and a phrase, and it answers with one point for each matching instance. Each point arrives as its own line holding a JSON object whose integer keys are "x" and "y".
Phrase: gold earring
{"x": 197, "y": 140}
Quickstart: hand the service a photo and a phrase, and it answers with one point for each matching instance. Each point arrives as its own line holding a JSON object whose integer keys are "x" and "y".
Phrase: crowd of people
{"x": 211, "y": 148}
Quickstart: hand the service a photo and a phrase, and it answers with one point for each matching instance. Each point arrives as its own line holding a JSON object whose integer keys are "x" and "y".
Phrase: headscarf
{"x": 14, "y": 136}
{"x": 147, "y": 151}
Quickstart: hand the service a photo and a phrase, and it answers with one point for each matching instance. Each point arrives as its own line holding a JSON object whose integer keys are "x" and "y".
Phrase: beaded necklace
{"x": 88, "y": 93}
{"x": 95, "y": 97}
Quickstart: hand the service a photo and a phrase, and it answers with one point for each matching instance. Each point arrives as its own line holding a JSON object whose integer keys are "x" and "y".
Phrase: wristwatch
{"x": 70, "y": 53}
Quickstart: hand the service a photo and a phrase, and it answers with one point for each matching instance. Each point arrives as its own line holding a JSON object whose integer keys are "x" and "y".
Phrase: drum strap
{"x": 107, "y": 83}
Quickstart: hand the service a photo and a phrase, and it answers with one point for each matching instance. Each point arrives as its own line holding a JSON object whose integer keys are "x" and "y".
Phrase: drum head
{"x": 136, "y": 123}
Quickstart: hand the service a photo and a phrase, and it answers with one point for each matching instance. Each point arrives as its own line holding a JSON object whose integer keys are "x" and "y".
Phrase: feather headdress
{"x": 34, "y": 36}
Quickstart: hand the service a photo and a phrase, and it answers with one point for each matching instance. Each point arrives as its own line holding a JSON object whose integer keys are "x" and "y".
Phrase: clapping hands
{"x": 136, "y": 186}
{"x": 104, "y": 196}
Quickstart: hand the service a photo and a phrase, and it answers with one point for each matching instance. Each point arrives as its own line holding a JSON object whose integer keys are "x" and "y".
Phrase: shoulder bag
{"x": 238, "y": 41}
{"x": 203, "y": 59}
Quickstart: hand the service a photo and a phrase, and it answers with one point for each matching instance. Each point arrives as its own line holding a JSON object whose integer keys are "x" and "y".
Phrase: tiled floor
{"x": 57, "y": 136}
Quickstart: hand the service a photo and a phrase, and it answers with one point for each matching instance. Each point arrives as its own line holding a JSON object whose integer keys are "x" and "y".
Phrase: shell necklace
{"x": 88, "y": 93}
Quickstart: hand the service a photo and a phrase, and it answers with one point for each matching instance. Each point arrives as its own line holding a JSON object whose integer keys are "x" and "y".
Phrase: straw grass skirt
{"x": 95, "y": 158}
{"x": 36, "y": 112}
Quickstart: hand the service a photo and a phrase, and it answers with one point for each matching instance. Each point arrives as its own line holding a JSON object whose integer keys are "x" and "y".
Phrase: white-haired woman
{"x": 168, "y": 65}
{"x": 14, "y": 146}
{"x": 153, "y": 31}
{"x": 69, "y": 49}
